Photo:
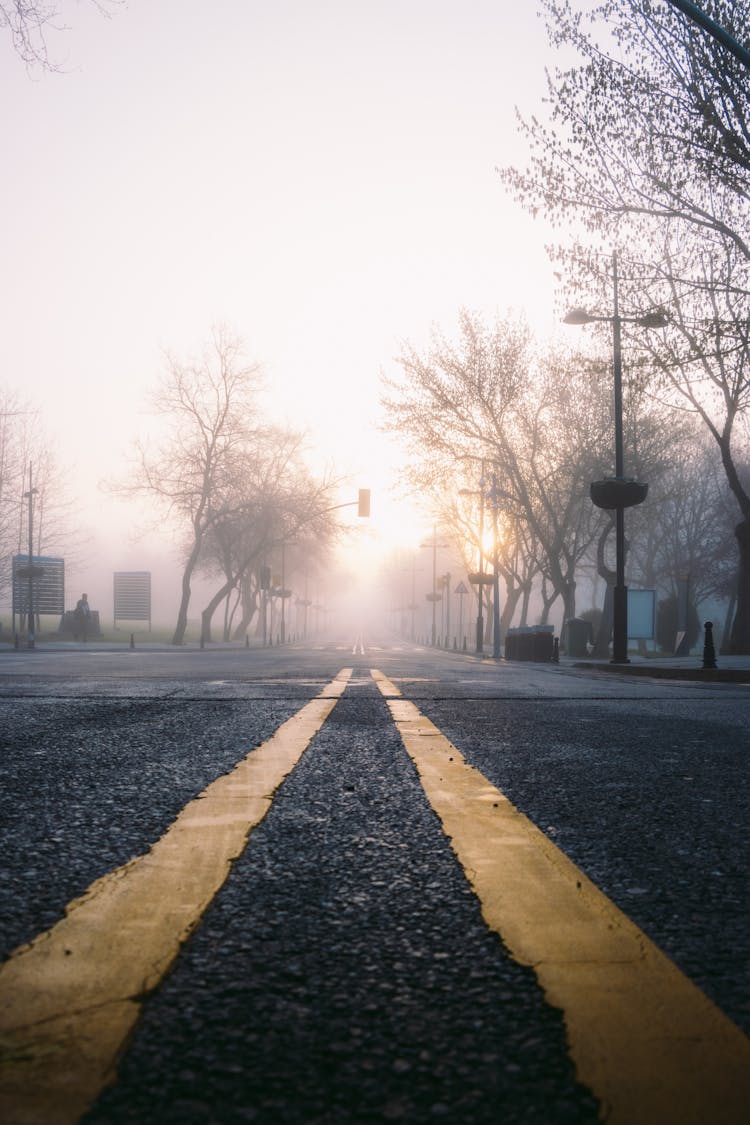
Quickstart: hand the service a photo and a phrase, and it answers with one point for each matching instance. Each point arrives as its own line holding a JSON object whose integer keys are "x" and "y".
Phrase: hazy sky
{"x": 318, "y": 174}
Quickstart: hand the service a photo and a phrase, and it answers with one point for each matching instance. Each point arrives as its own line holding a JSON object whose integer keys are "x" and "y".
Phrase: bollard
{"x": 709, "y": 652}
{"x": 132, "y": 640}
{"x": 556, "y": 651}
{"x": 247, "y": 641}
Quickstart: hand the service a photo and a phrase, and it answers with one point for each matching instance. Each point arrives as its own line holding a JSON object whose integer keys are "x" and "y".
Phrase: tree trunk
{"x": 249, "y": 609}
{"x": 179, "y": 632}
{"x": 548, "y": 601}
{"x": 726, "y": 632}
{"x": 604, "y": 634}
{"x": 211, "y": 608}
{"x": 512, "y": 597}
{"x": 740, "y": 643}
{"x": 525, "y": 605}
{"x": 569, "y": 599}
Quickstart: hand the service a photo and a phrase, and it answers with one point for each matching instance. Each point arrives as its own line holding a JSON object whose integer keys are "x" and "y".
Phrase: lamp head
{"x": 578, "y": 316}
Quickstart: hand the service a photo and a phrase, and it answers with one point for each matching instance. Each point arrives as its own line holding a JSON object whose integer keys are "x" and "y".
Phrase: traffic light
{"x": 363, "y": 508}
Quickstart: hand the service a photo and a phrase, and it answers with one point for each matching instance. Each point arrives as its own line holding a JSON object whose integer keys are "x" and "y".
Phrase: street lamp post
{"x": 480, "y": 613}
{"x": 447, "y": 588}
{"x": 31, "y": 570}
{"x": 493, "y": 496}
{"x": 434, "y": 597}
{"x": 495, "y": 575}
{"x": 618, "y": 494}
{"x": 283, "y": 591}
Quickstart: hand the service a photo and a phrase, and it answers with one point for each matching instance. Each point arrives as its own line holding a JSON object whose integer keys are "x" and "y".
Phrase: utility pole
{"x": 30, "y": 608}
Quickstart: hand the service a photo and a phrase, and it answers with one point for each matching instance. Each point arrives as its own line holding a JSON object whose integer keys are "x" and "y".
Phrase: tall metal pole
{"x": 434, "y": 582}
{"x": 30, "y": 607}
{"x": 304, "y": 618}
{"x": 283, "y": 590}
{"x": 495, "y": 576}
{"x": 480, "y": 616}
{"x": 620, "y": 621}
{"x": 447, "y": 588}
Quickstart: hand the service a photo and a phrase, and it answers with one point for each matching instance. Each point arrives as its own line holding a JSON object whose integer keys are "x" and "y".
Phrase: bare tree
{"x": 273, "y": 498}
{"x": 208, "y": 406}
{"x": 29, "y": 23}
{"x": 538, "y": 423}
{"x": 652, "y": 126}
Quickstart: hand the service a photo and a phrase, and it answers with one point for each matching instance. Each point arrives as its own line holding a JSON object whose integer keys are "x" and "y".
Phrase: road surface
{"x": 369, "y": 882}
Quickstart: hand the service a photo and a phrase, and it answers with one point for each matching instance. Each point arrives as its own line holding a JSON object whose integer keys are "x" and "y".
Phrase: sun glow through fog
{"x": 258, "y": 171}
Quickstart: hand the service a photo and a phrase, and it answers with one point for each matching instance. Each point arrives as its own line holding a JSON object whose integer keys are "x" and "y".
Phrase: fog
{"x": 319, "y": 177}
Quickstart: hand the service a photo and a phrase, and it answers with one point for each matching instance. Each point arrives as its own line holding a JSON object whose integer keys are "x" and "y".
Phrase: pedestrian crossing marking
{"x": 69, "y": 999}
{"x": 649, "y": 1044}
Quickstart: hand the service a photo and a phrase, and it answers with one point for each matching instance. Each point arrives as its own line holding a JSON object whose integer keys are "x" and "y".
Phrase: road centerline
{"x": 71, "y": 997}
{"x": 645, "y": 1039}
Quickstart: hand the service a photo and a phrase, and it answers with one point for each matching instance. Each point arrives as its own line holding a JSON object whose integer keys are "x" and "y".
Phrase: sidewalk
{"x": 729, "y": 670}
{"x": 53, "y": 644}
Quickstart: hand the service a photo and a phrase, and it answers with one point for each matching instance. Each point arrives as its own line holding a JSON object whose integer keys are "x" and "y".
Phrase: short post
{"x": 132, "y": 640}
{"x": 709, "y": 652}
{"x": 247, "y": 641}
{"x": 556, "y": 651}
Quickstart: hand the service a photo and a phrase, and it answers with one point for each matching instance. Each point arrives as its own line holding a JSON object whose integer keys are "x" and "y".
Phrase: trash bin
{"x": 577, "y": 636}
{"x": 511, "y": 644}
{"x": 543, "y": 642}
{"x": 530, "y": 642}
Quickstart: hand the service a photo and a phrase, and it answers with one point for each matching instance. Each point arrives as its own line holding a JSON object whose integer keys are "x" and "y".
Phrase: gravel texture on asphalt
{"x": 344, "y": 973}
{"x": 652, "y": 801}
{"x": 87, "y": 786}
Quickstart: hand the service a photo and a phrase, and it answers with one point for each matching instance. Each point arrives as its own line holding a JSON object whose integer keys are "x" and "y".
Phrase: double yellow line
{"x": 649, "y": 1044}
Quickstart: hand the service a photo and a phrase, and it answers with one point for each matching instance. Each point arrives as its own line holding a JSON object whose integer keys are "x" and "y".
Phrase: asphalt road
{"x": 344, "y": 972}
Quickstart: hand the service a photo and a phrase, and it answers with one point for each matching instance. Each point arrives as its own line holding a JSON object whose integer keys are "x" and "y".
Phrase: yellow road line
{"x": 70, "y": 999}
{"x": 649, "y": 1044}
